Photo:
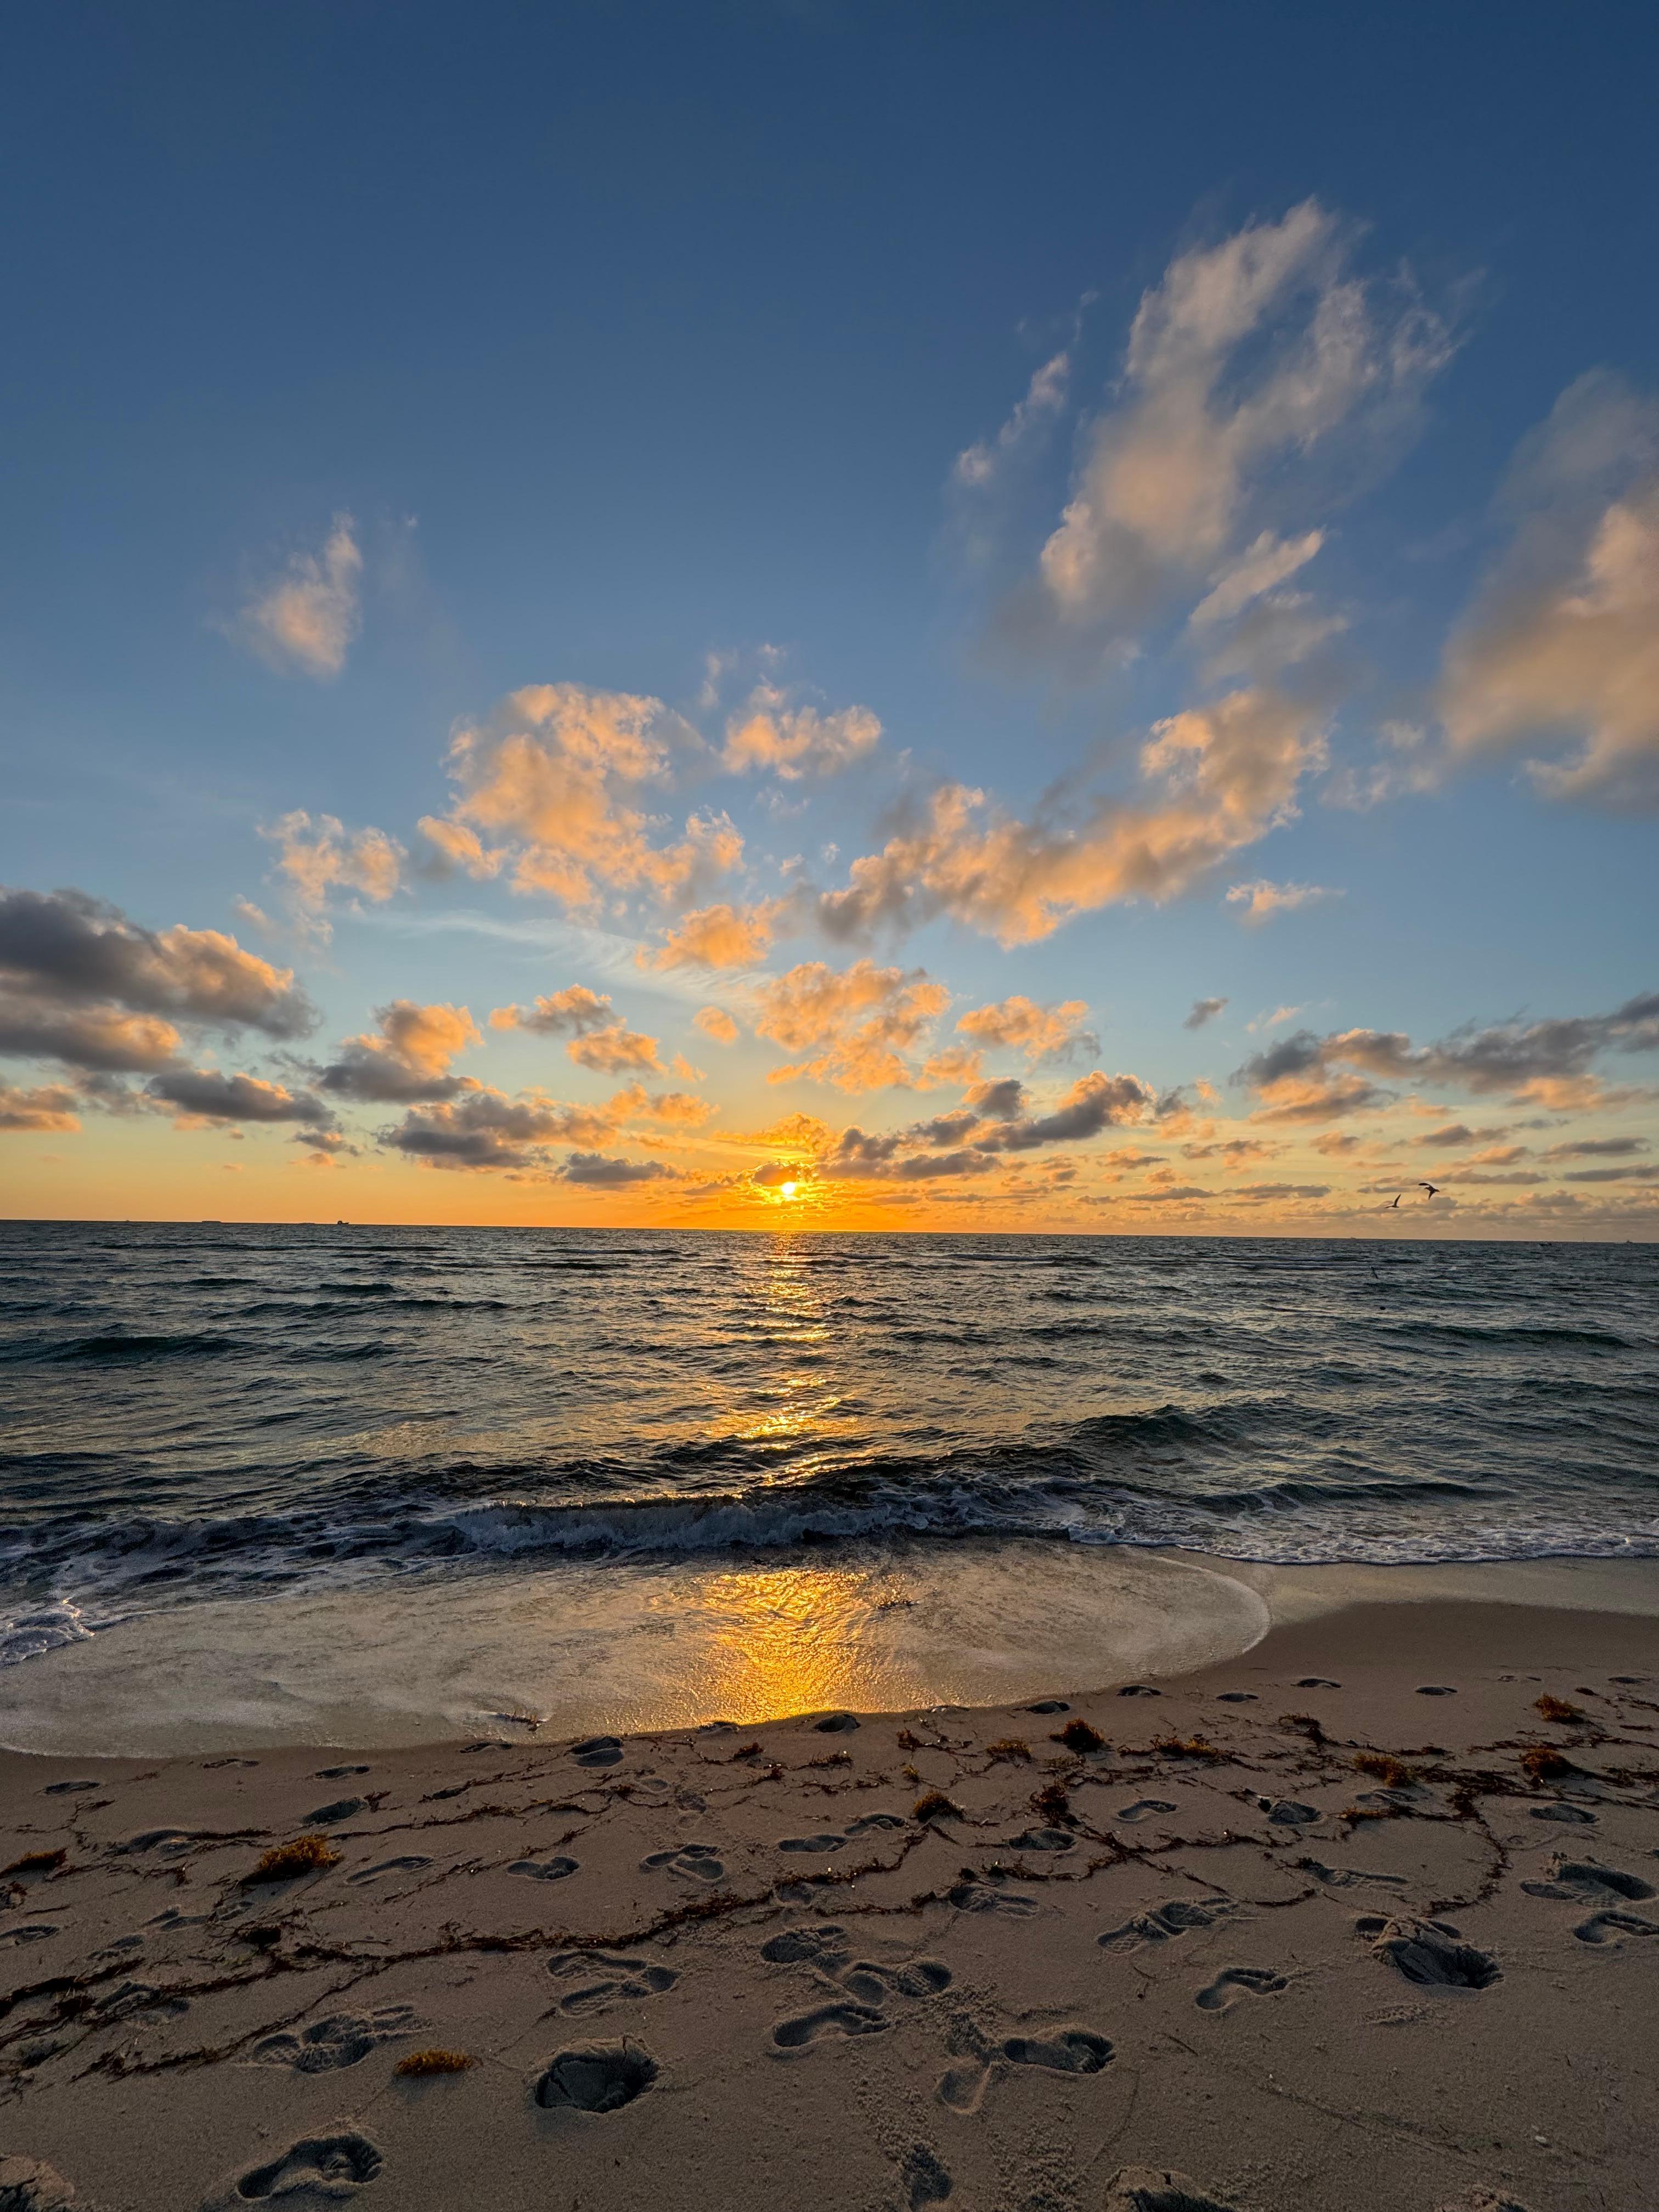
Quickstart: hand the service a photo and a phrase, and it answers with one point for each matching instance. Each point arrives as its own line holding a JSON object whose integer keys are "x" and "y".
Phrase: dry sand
{"x": 1210, "y": 1962}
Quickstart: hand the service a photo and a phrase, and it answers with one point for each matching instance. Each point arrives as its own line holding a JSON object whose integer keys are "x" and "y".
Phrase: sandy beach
{"x": 1315, "y": 1928}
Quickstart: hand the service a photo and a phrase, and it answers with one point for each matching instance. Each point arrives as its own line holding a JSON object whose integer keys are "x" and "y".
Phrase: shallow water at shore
{"x": 526, "y": 1458}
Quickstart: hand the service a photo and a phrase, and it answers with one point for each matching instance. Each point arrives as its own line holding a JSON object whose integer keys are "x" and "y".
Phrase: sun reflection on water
{"x": 795, "y": 1640}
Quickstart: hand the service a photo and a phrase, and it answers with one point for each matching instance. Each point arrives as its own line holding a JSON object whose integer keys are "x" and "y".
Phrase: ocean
{"x": 521, "y": 1450}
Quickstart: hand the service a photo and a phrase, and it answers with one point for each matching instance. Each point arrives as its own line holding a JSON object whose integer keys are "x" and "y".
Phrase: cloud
{"x": 793, "y": 742}
{"x": 307, "y": 619}
{"x": 1263, "y": 899}
{"x": 1597, "y": 1148}
{"x": 484, "y": 1129}
{"x": 675, "y": 1108}
{"x": 777, "y": 1173}
{"x": 991, "y": 1123}
{"x": 321, "y": 856}
{"x": 616, "y": 1050}
{"x": 1246, "y": 360}
{"x": 50, "y": 1109}
{"x": 1204, "y": 1010}
{"x": 409, "y": 1061}
{"x": 82, "y": 984}
{"x": 552, "y": 776}
{"x": 1040, "y": 1032}
{"x": 1094, "y": 1102}
{"x": 204, "y": 1095}
{"x": 1221, "y": 777}
{"x": 716, "y": 1023}
{"x": 1561, "y": 648}
{"x": 575, "y": 1011}
{"x": 1267, "y": 562}
{"x": 1549, "y": 1061}
{"x": 601, "y": 1174}
{"x": 979, "y": 464}
{"x": 718, "y": 936}
{"x": 854, "y": 1025}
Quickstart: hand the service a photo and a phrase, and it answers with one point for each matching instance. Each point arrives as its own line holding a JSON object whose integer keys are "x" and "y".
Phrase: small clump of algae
{"x": 1556, "y": 1709}
{"x": 287, "y": 1862}
{"x": 1392, "y": 1773}
{"x": 934, "y": 1805}
{"x": 420, "y": 2063}
{"x": 1077, "y": 1736}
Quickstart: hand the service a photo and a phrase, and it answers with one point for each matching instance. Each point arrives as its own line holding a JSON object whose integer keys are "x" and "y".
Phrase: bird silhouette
{"x": 1396, "y": 1200}
{"x": 1433, "y": 1188}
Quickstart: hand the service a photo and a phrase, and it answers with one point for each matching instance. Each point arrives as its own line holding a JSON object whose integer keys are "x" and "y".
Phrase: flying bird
{"x": 1433, "y": 1188}
{"x": 1397, "y": 1197}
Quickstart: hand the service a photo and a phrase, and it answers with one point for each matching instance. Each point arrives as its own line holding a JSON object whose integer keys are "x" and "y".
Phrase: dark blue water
{"x": 190, "y": 1412}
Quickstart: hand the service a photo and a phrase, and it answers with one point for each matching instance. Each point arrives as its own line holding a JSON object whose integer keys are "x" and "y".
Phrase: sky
{"x": 829, "y": 615}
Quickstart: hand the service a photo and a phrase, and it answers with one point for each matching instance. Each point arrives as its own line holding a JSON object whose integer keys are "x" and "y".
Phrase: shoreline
{"x": 1212, "y": 1945}
{"x": 688, "y": 1642}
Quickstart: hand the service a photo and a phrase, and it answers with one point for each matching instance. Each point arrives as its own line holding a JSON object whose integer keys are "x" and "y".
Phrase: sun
{"x": 788, "y": 1190}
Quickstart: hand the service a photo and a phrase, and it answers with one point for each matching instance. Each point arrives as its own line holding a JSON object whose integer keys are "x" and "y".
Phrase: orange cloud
{"x": 854, "y": 1025}
{"x": 552, "y": 777}
{"x": 1222, "y": 777}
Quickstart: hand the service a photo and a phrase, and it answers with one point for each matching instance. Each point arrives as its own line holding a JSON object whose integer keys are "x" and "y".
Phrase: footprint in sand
{"x": 827, "y": 2020}
{"x": 691, "y": 1862}
{"x": 1049, "y": 1706}
{"x": 326, "y": 2166}
{"x": 1144, "y": 1808}
{"x": 926, "y": 2181}
{"x": 597, "y": 1751}
{"x": 1584, "y": 1881}
{"x": 1159, "y": 1925}
{"x": 337, "y": 1773}
{"x": 1234, "y": 1982}
{"x": 796, "y": 1944}
{"x": 66, "y": 1788}
{"x": 341, "y": 1809}
{"x": 1073, "y": 2051}
{"x": 553, "y": 1870}
{"x": 1158, "y": 2189}
{"x": 987, "y": 1893}
{"x": 597, "y": 2077}
{"x": 871, "y": 1984}
{"x": 169, "y": 1843}
{"x": 1346, "y": 1877}
{"x": 1421, "y": 1952}
{"x": 1435, "y": 1690}
{"x": 1572, "y": 1816}
{"x": 1236, "y": 1697}
{"x": 615, "y": 1979}
{"x": 833, "y": 1839}
{"x": 344, "y": 2039}
{"x": 1613, "y": 1927}
{"x": 1138, "y": 1690}
{"x": 837, "y": 1724}
{"x": 1285, "y": 1812}
{"x": 1317, "y": 1682}
{"x": 36, "y": 1932}
{"x": 1043, "y": 1840}
{"x": 412, "y": 1863}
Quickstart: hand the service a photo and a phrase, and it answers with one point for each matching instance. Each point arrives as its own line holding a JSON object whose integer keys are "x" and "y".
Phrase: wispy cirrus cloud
{"x": 306, "y": 620}
{"x": 1561, "y": 650}
{"x": 1263, "y": 899}
{"x": 1254, "y": 364}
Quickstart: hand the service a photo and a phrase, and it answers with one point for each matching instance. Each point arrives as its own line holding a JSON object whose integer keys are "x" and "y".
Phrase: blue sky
{"x": 639, "y": 351}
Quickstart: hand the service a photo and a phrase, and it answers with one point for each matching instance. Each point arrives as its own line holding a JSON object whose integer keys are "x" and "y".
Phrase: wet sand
{"x": 1345, "y": 1922}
